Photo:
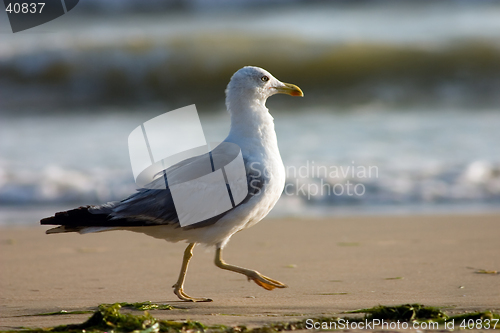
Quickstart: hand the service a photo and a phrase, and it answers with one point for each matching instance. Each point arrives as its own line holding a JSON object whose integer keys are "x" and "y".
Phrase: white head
{"x": 256, "y": 84}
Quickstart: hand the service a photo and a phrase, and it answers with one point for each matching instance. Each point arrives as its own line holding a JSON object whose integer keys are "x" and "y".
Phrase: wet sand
{"x": 330, "y": 265}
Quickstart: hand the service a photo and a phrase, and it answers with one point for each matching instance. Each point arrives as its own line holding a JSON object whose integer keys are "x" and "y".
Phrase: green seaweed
{"x": 476, "y": 315}
{"x": 108, "y": 318}
{"x": 145, "y": 306}
{"x": 406, "y": 312}
{"x": 141, "y": 306}
{"x": 419, "y": 312}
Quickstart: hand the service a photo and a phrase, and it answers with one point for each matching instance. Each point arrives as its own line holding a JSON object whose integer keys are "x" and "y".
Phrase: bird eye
{"x": 265, "y": 78}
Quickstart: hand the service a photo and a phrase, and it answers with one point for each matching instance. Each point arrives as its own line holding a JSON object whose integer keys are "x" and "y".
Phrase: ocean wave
{"x": 475, "y": 183}
{"x": 139, "y": 71}
{"x": 56, "y": 185}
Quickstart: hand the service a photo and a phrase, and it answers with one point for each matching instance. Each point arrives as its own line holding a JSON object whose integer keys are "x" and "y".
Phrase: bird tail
{"x": 77, "y": 220}
{"x": 61, "y": 229}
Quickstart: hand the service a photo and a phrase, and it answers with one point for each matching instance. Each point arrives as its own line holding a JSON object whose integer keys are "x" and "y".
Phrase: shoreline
{"x": 331, "y": 265}
{"x": 14, "y": 216}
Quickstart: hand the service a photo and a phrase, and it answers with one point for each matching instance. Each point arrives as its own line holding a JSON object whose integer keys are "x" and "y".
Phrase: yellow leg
{"x": 179, "y": 286}
{"x": 261, "y": 280}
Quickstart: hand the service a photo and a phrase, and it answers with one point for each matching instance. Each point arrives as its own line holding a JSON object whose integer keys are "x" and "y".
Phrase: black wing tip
{"x": 62, "y": 218}
{"x": 79, "y": 218}
{"x": 48, "y": 221}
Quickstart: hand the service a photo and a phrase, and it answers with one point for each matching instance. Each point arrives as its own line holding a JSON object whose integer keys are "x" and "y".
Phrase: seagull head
{"x": 257, "y": 84}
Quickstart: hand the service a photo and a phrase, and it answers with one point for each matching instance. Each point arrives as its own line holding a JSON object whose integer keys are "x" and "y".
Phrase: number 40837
{"x": 25, "y": 8}
{"x": 479, "y": 324}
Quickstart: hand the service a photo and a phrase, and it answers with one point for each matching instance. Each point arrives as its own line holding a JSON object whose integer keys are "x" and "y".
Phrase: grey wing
{"x": 155, "y": 206}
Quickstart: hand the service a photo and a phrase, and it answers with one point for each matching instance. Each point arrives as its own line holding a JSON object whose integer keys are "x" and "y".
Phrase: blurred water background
{"x": 408, "y": 88}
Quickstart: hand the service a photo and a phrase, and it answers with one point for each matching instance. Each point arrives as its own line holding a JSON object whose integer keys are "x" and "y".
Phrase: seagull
{"x": 152, "y": 211}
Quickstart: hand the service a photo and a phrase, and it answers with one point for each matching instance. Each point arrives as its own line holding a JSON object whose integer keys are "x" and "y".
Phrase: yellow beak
{"x": 290, "y": 89}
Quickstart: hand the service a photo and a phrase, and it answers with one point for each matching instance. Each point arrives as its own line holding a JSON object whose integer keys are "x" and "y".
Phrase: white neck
{"x": 252, "y": 127}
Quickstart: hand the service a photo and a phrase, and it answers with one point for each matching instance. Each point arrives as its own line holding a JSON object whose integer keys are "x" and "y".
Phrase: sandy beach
{"x": 331, "y": 265}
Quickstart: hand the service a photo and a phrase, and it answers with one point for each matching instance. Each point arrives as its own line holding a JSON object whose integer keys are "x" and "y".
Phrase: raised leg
{"x": 261, "y": 280}
{"x": 179, "y": 286}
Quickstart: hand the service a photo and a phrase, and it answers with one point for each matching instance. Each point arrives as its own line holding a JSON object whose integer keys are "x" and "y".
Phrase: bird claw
{"x": 184, "y": 297}
{"x": 266, "y": 282}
